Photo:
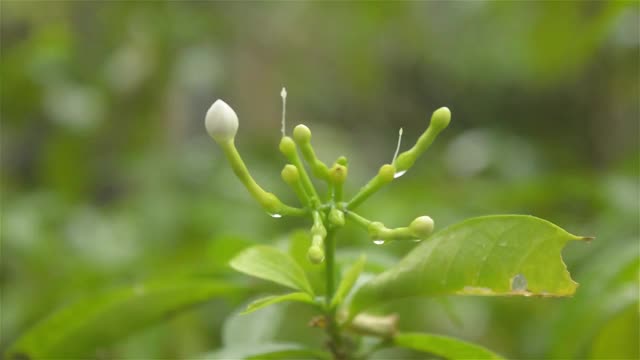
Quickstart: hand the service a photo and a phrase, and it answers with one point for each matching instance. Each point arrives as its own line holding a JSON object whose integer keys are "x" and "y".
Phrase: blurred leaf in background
{"x": 108, "y": 177}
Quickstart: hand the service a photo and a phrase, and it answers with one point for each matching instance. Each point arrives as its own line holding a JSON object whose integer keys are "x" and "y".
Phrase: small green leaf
{"x": 77, "y": 330}
{"x": 348, "y": 280}
{"x": 447, "y": 347}
{"x": 269, "y": 263}
{"x": 491, "y": 255}
{"x": 270, "y": 300}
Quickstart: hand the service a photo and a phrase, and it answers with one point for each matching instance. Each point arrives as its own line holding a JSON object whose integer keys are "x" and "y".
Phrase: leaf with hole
{"x": 491, "y": 255}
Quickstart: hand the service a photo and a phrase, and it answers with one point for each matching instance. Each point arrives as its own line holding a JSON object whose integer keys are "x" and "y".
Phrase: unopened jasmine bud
{"x": 287, "y": 147}
{"x": 386, "y": 173}
{"x": 421, "y": 227}
{"x": 342, "y": 160}
{"x": 290, "y": 174}
{"x": 336, "y": 217}
{"x": 221, "y": 122}
{"x": 338, "y": 174}
{"x": 315, "y": 254}
{"x": 440, "y": 119}
{"x": 301, "y": 134}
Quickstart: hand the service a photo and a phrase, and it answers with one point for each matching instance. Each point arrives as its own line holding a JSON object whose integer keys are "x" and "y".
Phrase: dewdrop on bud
{"x": 440, "y": 118}
{"x": 221, "y": 122}
{"x": 421, "y": 227}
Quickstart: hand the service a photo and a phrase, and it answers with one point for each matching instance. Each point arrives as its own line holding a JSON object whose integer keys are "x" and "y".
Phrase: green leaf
{"x": 77, "y": 330}
{"x": 267, "y": 351}
{"x": 446, "y": 347}
{"x": 610, "y": 284}
{"x": 270, "y": 300}
{"x": 298, "y": 354}
{"x": 269, "y": 263}
{"x": 348, "y": 280}
{"x": 492, "y": 255}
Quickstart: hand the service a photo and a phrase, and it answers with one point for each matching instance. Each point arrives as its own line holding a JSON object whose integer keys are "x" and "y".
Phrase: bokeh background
{"x": 108, "y": 176}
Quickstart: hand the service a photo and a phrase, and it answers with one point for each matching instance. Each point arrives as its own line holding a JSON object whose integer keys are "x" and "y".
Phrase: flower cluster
{"x": 330, "y": 211}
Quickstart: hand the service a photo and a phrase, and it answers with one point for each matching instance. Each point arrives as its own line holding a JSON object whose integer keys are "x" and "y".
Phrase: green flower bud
{"x": 221, "y": 122}
{"x": 338, "y": 174}
{"x": 287, "y": 147}
{"x": 336, "y": 217}
{"x": 315, "y": 254}
{"x": 386, "y": 173}
{"x": 301, "y": 134}
{"x": 342, "y": 160}
{"x": 405, "y": 160}
{"x": 421, "y": 227}
{"x": 290, "y": 174}
{"x": 440, "y": 119}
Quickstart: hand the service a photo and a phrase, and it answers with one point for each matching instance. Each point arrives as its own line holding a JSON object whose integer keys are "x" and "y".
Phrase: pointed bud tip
{"x": 283, "y": 93}
{"x": 221, "y": 121}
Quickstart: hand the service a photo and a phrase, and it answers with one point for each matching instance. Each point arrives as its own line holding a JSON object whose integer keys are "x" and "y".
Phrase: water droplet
{"x": 399, "y": 173}
{"x": 417, "y": 240}
{"x": 519, "y": 283}
{"x": 275, "y": 215}
{"x": 378, "y": 242}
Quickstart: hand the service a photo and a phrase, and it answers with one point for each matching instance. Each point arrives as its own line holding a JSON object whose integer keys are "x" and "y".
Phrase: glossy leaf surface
{"x": 492, "y": 255}
{"x": 269, "y": 263}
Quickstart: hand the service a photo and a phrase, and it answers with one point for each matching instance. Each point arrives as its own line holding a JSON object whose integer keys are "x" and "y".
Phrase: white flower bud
{"x": 221, "y": 121}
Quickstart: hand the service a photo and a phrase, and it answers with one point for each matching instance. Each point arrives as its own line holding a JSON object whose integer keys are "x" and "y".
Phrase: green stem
{"x": 268, "y": 200}
{"x": 332, "y": 328}
{"x": 384, "y": 176}
{"x": 318, "y": 168}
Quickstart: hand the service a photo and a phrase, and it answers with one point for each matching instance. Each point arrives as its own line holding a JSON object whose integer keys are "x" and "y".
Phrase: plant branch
{"x": 333, "y": 329}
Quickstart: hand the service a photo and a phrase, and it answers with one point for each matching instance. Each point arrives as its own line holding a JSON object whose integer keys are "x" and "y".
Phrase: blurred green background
{"x": 108, "y": 176}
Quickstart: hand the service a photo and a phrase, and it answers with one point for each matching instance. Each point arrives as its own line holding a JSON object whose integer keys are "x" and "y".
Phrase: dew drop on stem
{"x": 378, "y": 242}
{"x": 399, "y": 173}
